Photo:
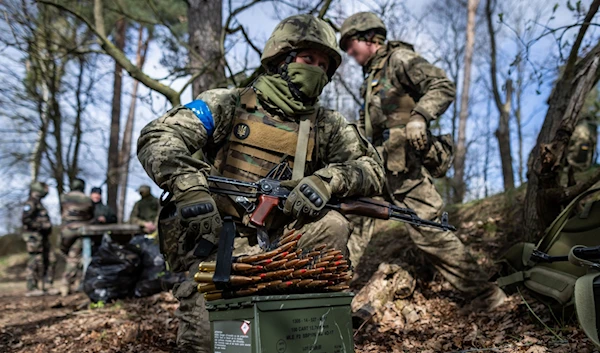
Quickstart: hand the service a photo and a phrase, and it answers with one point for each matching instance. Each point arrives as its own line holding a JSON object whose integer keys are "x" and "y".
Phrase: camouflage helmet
{"x": 40, "y": 188}
{"x": 77, "y": 184}
{"x": 301, "y": 32}
{"x": 359, "y": 23}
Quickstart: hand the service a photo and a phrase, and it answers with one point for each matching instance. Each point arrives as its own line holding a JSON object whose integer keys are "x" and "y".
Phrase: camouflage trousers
{"x": 71, "y": 248}
{"x": 42, "y": 260}
{"x": 194, "y": 334}
{"x": 446, "y": 252}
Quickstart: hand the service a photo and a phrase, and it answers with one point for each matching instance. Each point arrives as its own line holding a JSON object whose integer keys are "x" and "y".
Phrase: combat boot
{"x": 487, "y": 301}
{"x": 35, "y": 293}
{"x": 31, "y": 285}
{"x": 50, "y": 290}
{"x": 64, "y": 290}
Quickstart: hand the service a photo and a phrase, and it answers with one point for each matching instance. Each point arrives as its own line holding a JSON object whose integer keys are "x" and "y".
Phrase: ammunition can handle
{"x": 266, "y": 204}
{"x": 364, "y": 209}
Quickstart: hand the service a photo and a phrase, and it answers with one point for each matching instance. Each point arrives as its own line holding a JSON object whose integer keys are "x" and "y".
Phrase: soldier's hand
{"x": 308, "y": 196}
{"x": 198, "y": 212}
{"x": 101, "y": 219}
{"x": 416, "y": 131}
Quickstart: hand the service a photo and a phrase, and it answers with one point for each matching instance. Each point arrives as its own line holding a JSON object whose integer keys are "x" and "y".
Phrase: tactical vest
{"x": 36, "y": 218}
{"x": 383, "y": 98}
{"x": 77, "y": 209}
{"x": 259, "y": 142}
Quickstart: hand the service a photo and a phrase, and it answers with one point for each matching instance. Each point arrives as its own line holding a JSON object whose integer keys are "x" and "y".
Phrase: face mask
{"x": 309, "y": 79}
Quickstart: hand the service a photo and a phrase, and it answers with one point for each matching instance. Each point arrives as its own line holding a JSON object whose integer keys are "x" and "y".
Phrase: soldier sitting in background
{"x": 145, "y": 211}
{"x": 77, "y": 211}
{"x": 36, "y": 233}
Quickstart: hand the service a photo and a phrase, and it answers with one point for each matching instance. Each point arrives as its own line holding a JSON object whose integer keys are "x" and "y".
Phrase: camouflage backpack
{"x": 571, "y": 282}
{"x": 554, "y": 280}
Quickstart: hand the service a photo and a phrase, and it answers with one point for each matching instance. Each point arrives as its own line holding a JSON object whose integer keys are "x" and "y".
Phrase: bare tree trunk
{"x": 125, "y": 154}
{"x": 545, "y": 195}
{"x": 461, "y": 147}
{"x": 40, "y": 142}
{"x": 486, "y": 166}
{"x": 74, "y": 164}
{"x": 503, "y": 136}
{"x": 205, "y": 26}
{"x": 58, "y": 168}
{"x": 112, "y": 172}
{"x": 518, "y": 96}
{"x": 503, "y": 132}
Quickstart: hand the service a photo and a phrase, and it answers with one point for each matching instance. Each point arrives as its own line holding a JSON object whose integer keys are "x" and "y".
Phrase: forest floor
{"x": 522, "y": 324}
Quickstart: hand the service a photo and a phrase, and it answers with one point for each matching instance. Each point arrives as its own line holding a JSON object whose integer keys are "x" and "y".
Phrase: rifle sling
{"x": 302, "y": 145}
{"x": 224, "y": 252}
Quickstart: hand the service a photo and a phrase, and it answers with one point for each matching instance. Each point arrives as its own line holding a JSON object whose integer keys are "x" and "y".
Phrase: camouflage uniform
{"x": 399, "y": 84}
{"x": 339, "y": 155}
{"x": 77, "y": 211}
{"x": 146, "y": 209}
{"x": 36, "y": 233}
{"x": 582, "y": 145}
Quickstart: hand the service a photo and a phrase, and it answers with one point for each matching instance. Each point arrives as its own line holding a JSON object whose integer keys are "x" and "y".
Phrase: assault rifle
{"x": 270, "y": 194}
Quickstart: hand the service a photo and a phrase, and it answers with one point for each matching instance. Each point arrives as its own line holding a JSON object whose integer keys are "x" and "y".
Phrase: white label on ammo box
{"x": 232, "y": 337}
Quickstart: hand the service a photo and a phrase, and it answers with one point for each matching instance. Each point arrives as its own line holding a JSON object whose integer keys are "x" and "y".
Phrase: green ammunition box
{"x": 298, "y": 323}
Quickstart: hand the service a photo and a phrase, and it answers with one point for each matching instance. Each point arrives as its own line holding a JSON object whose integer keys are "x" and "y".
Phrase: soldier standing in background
{"x": 77, "y": 211}
{"x": 36, "y": 233}
{"x": 244, "y": 134}
{"x": 402, "y": 94}
{"x": 103, "y": 214}
{"x": 145, "y": 211}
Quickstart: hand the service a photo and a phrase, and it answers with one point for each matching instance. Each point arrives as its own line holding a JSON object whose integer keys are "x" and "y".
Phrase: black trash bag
{"x": 113, "y": 272}
{"x": 154, "y": 277}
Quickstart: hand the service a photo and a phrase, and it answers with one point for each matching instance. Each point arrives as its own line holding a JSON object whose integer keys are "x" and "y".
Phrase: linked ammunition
{"x": 275, "y": 264}
{"x": 205, "y": 277}
{"x": 338, "y": 287}
{"x": 212, "y": 266}
{"x": 203, "y": 288}
{"x": 317, "y": 283}
{"x": 280, "y": 256}
{"x": 278, "y": 274}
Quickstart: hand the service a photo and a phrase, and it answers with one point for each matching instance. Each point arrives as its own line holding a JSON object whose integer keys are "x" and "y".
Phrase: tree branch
{"x": 99, "y": 17}
{"x": 565, "y": 195}
{"x": 324, "y": 9}
{"x": 575, "y": 49}
{"x": 493, "y": 66}
{"x": 120, "y": 57}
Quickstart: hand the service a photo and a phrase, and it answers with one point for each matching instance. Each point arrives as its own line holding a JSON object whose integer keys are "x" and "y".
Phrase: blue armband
{"x": 202, "y": 111}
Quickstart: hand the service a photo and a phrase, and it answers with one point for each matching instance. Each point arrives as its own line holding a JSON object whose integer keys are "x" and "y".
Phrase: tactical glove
{"x": 416, "y": 131}
{"x": 200, "y": 217}
{"x": 308, "y": 196}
